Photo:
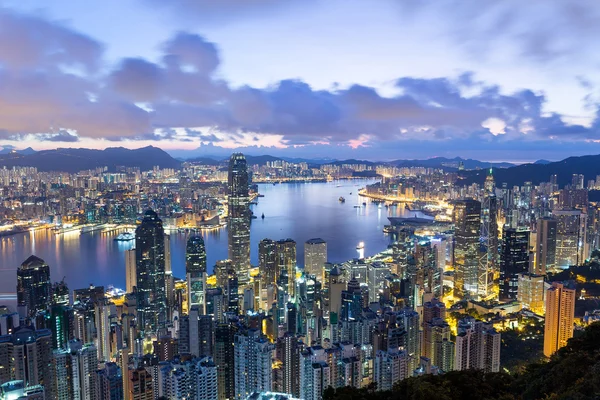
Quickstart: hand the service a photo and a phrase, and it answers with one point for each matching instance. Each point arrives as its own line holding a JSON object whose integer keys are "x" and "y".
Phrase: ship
{"x": 360, "y": 246}
{"x": 125, "y": 237}
{"x": 341, "y": 199}
{"x": 263, "y": 216}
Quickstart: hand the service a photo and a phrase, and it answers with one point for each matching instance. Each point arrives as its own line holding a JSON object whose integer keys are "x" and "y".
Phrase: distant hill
{"x": 450, "y": 163}
{"x": 542, "y": 162}
{"x": 205, "y": 161}
{"x": 589, "y": 166}
{"x": 10, "y": 149}
{"x": 353, "y": 161}
{"x": 73, "y": 160}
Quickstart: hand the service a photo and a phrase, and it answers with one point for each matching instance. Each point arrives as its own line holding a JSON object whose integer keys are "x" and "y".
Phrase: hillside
{"x": 572, "y": 373}
{"x": 589, "y": 166}
{"x": 73, "y": 160}
{"x": 450, "y": 163}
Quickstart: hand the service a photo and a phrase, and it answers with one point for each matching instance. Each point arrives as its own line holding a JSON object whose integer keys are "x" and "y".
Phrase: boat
{"x": 364, "y": 203}
{"x": 350, "y": 192}
{"x": 261, "y": 195}
{"x": 360, "y": 246}
{"x": 263, "y": 216}
{"x": 357, "y": 206}
{"x": 125, "y": 237}
{"x": 341, "y": 199}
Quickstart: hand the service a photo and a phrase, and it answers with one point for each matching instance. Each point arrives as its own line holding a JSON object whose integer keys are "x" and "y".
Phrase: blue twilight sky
{"x": 373, "y": 79}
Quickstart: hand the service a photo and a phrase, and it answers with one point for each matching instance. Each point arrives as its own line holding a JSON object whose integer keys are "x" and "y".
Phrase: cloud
{"x": 179, "y": 98}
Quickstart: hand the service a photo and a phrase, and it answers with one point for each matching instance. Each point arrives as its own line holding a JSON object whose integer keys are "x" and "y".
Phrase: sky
{"x": 371, "y": 79}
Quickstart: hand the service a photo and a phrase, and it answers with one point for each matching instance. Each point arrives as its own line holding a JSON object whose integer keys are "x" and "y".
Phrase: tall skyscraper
{"x": 33, "y": 286}
{"x": 545, "y": 252}
{"x": 195, "y": 269}
{"x": 150, "y": 271}
{"x": 239, "y": 216}
{"x": 477, "y": 346}
{"x": 225, "y": 359}
{"x": 288, "y": 353}
{"x": 570, "y": 237}
{"x": 286, "y": 255}
{"x": 514, "y": 260}
{"x": 560, "y": 313}
{"x": 130, "y": 270}
{"x": 268, "y": 263}
{"x": 466, "y": 218}
{"x": 489, "y": 233}
{"x": 315, "y": 257}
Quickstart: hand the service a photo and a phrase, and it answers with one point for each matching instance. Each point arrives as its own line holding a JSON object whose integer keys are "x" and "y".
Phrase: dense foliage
{"x": 572, "y": 373}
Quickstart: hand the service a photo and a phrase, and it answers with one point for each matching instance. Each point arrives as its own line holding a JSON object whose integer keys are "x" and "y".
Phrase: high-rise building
{"x": 286, "y": 255}
{"x": 477, "y": 346}
{"x": 225, "y": 359}
{"x": 514, "y": 260}
{"x": 194, "y": 379}
{"x": 27, "y": 356}
{"x": 150, "y": 272}
{"x": 315, "y": 257}
{"x": 545, "y": 252}
{"x": 268, "y": 263}
{"x": 239, "y": 216}
{"x": 466, "y": 218}
{"x": 109, "y": 383}
{"x": 140, "y": 385}
{"x": 391, "y": 366}
{"x": 489, "y": 233}
{"x": 570, "y": 237}
{"x": 130, "y": 270}
{"x": 195, "y": 269}
{"x": 75, "y": 369}
{"x": 34, "y": 288}
{"x": 62, "y": 323}
{"x": 253, "y": 357}
{"x": 288, "y": 353}
{"x": 560, "y": 313}
{"x": 437, "y": 346}
{"x": 530, "y": 293}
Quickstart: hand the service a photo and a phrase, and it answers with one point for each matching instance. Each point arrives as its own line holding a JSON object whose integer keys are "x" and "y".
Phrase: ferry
{"x": 125, "y": 237}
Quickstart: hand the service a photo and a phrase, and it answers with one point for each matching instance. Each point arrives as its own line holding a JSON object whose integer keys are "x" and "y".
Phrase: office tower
{"x": 62, "y": 325}
{"x": 268, "y": 263}
{"x": 109, "y": 382}
{"x": 466, "y": 217}
{"x": 150, "y": 272}
{"x": 33, "y": 286}
{"x": 489, "y": 235}
{"x": 477, "y": 346}
{"x": 91, "y": 294}
{"x": 225, "y": 359}
{"x": 514, "y": 260}
{"x": 60, "y": 293}
{"x": 26, "y": 355}
{"x": 577, "y": 181}
{"x": 140, "y": 385}
{"x": 545, "y": 252}
{"x": 288, "y": 354}
{"x": 8, "y": 322}
{"x": 391, "y": 366}
{"x": 560, "y": 313}
{"x": 315, "y": 257}
{"x": 440, "y": 245}
{"x": 195, "y": 269}
{"x": 130, "y": 270}
{"x": 286, "y": 256}
{"x": 530, "y": 293}
{"x": 253, "y": 354}
{"x": 377, "y": 274}
{"x": 570, "y": 237}
{"x": 335, "y": 285}
{"x": 165, "y": 348}
{"x": 239, "y": 216}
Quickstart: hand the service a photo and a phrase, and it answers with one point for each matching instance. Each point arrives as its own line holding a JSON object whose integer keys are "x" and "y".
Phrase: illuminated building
{"x": 286, "y": 255}
{"x": 560, "y": 313}
{"x": 514, "y": 260}
{"x": 150, "y": 272}
{"x": 489, "y": 234}
{"x": 253, "y": 354}
{"x": 545, "y": 252}
{"x": 268, "y": 262}
{"x": 130, "y": 270}
{"x": 33, "y": 286}
{"x": 570, "y": 237}
{"x": 239, "y": 216}
{"x": 477, "y": 346}
{"x": 530, "y": 292}
{"x": 195, "y": 269}
{"x": 466, "y": 218}
{"x": 315, "y": 257}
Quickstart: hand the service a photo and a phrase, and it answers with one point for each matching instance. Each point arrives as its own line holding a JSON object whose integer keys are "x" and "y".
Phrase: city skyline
{"x": 191, "y": 80}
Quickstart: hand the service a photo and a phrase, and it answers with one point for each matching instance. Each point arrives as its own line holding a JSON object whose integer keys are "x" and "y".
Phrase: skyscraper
{"x": 109, "y": 382}
{"x": 150, "y": 272}
{"x": 570, "y": 237}
{"x": 489, "y": 234}
{"x": 286, "y": 255}
{"x": 560, "y": 313}
{"x": 466, "y": 218}
{"x": 315, "y": 257}
{"x": 195, "y": 269}
{"x": 253, "y": 354}
{"x": 33, "y": 286}
{"x": 288, "y": 353}
{"x": 225, "y": 359}
{"x": 268, "y": 262}
{"x": 239, "y": 216}
{"x": 545, "y": 252}
{"x": 477, "y": 346}
{"x": 130, "y": 270}
{"x": 514, "y": 260}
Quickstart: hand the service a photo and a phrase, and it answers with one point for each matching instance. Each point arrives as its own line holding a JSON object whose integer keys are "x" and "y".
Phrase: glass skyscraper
{"x": 150, "y": 272}
{"x": 195, "y": 269}
{"x": 33, "y": 285}
{"x": 239, "y": 216}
